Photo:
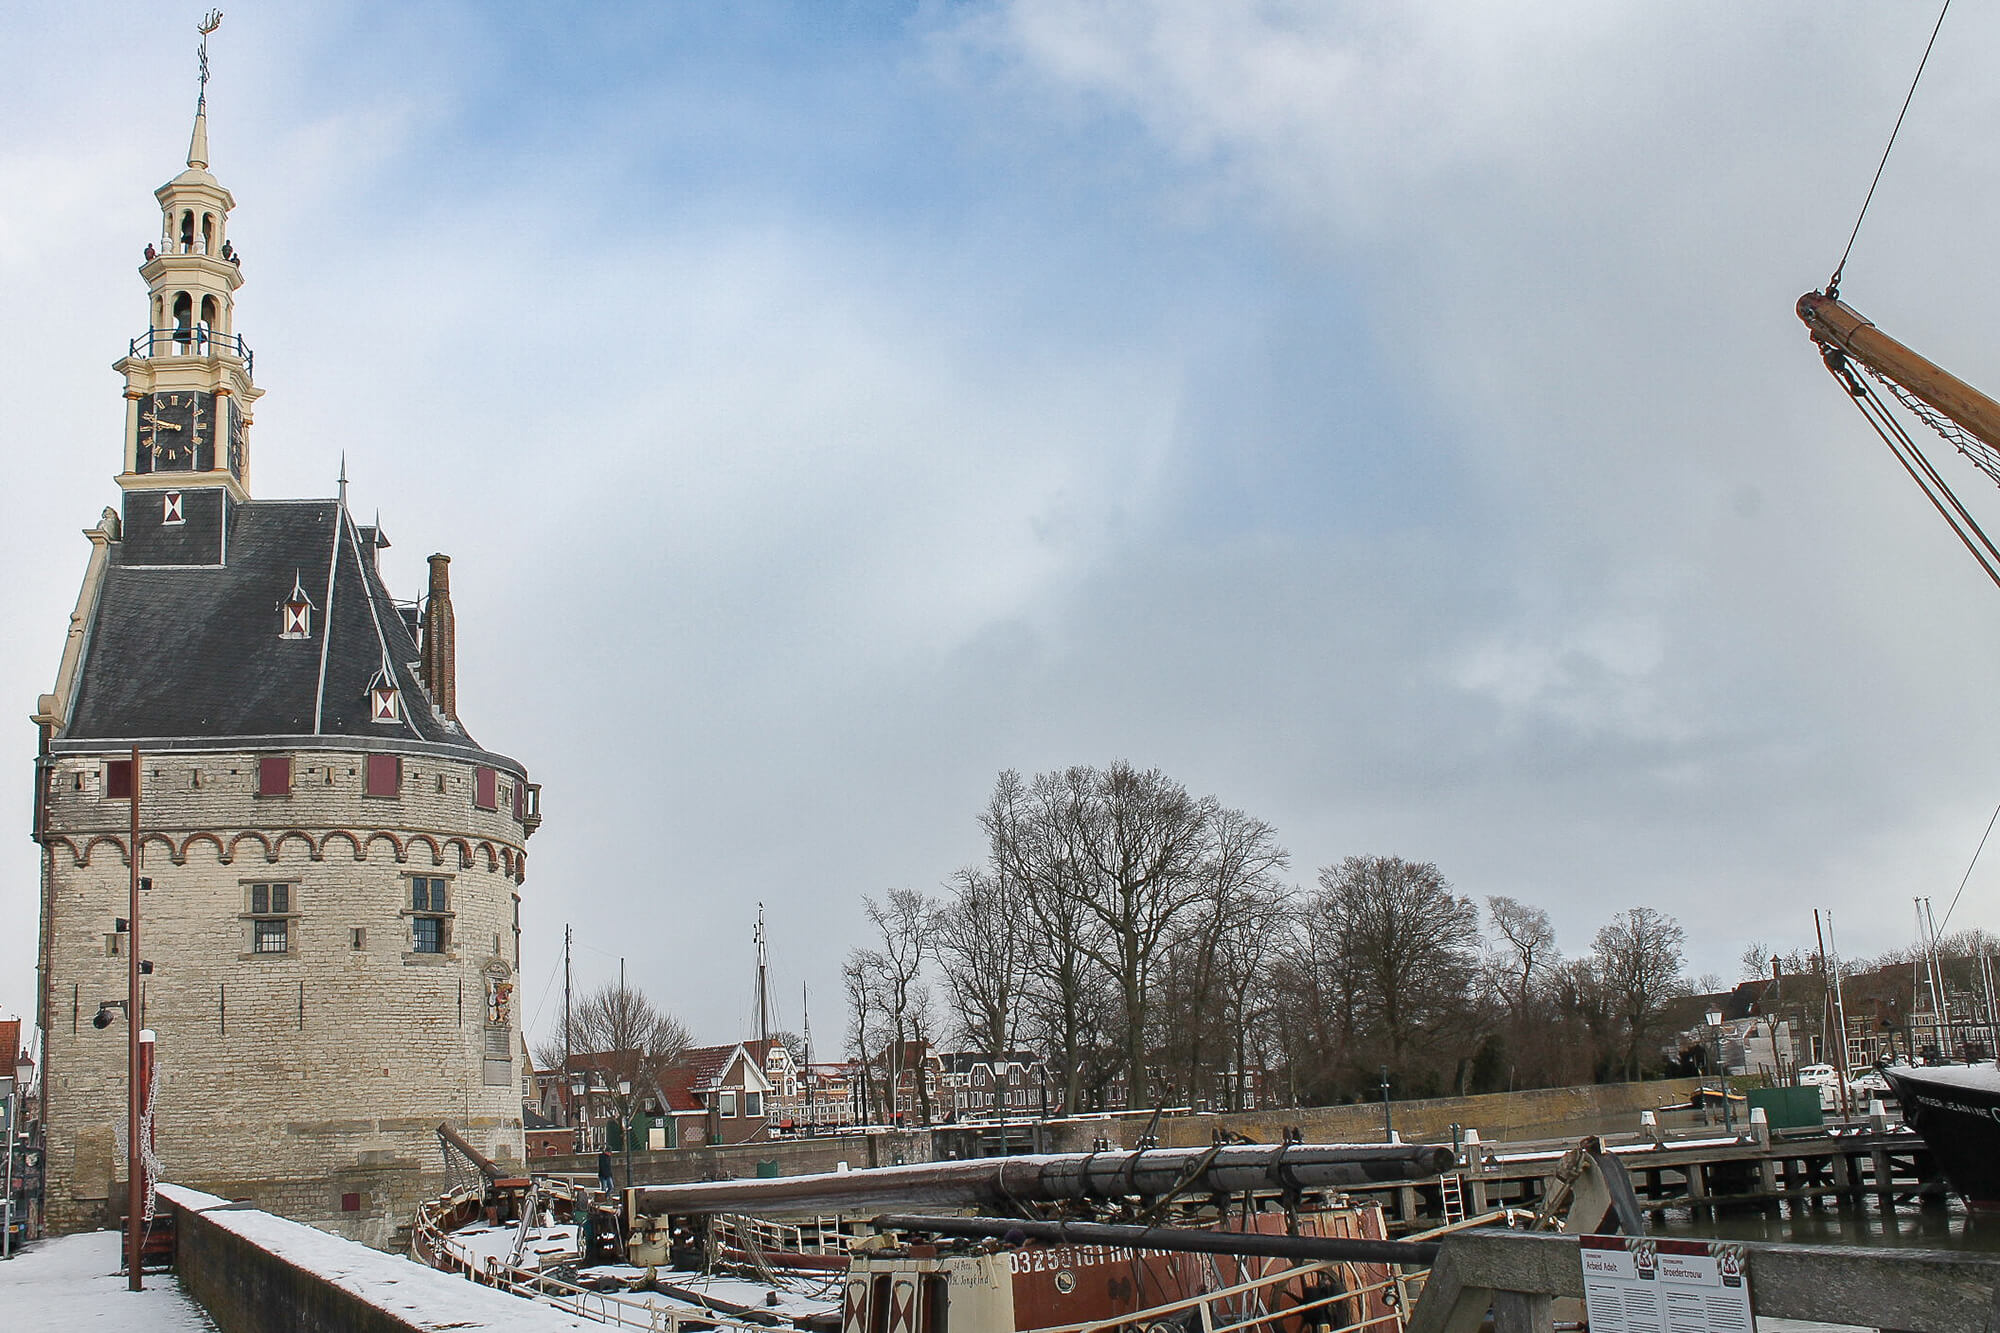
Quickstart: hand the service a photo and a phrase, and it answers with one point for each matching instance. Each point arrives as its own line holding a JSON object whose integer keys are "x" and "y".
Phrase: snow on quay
{"x": 419, "y": 1296}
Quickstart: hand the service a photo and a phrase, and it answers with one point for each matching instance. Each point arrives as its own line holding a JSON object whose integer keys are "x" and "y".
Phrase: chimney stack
{"x": 439, "y": 663}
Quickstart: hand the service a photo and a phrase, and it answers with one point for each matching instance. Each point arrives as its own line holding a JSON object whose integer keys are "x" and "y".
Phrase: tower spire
{"x": 198, "y": 142}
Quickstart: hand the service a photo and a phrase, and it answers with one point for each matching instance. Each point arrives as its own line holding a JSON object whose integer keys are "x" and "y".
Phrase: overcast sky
{"x": 1388, "y": 418}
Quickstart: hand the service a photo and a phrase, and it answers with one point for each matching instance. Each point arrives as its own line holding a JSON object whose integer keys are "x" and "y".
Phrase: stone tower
{"x": 334, "y": 862}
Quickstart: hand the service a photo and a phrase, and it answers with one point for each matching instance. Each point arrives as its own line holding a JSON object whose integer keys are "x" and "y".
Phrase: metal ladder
{"x": 1451, "y": 1192}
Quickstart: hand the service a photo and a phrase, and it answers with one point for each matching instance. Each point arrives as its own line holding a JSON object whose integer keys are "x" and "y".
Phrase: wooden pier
{"x": 1855, "y": 1164}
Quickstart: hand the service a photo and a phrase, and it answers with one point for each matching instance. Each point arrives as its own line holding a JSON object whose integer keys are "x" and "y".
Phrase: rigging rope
{"x": 1833, "y": 283}
{"x": 1968, "y": 869}
{"x": 1929, "y": 481}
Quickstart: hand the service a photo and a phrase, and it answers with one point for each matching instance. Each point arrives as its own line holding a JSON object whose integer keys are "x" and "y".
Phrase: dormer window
{"x": 170, "y": 508}
{"x": 295, "y": 620}
{"x": 384, "y": 699}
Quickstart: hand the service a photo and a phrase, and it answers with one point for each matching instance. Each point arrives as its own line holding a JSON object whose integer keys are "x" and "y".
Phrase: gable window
{"x": 269, "y": 911}
{"x": 430, "y": 914}
{"x": 725, "y": 1103}
{"x": 274, "y": 775}
{"x": 485, "y": 784}
{"x": 170, "y": 508}
{"x": 297, "y": 609}
{"x": 384, "y": 776}
{"x": 384, "y": 700}
{"x": 753, "y": 1103}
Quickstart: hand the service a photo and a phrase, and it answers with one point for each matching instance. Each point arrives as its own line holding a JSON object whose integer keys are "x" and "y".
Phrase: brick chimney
{"x": 439, "y": 663}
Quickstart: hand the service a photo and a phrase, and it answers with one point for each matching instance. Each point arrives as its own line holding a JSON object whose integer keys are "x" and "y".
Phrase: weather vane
{"x": 209, "y": 23}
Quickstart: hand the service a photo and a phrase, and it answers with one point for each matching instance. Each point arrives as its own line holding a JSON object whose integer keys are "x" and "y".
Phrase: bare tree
{"x": 1525, "y": 950}
{"x": 857, "y": 978}
{"x": 905, "y": 922}
{"x": 1216, "y": 952}
{"x": 1137, "y": 839}
{"x": 618, "y": 1034}
{"x": 1032, "y": 853}
{"x": 1409, "y": 942}
{"x": 1638, "y": 958}
{"x": 981, "y": 945}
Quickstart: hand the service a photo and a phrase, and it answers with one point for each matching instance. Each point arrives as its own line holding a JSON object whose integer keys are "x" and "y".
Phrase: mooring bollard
{"x": 1649, "y": 1125}
{"x": 1760, "y": 1126}
{"x": 1878, "y": 1116}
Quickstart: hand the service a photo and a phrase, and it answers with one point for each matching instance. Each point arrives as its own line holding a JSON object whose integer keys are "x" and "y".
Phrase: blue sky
{"x": 1388, "y": 419}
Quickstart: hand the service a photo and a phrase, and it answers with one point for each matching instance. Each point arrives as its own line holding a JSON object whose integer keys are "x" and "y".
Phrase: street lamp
{"x": 1721, "y": 1075}
{"x": 625, "y": 1128}
{"x": 1388, "y": 1129}
{"x": 578, "y": 1122}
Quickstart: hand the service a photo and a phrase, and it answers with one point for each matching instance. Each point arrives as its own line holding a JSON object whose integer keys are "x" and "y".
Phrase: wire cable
{"x": 1833, "y": 283}
{"x": 1968, "y": 869}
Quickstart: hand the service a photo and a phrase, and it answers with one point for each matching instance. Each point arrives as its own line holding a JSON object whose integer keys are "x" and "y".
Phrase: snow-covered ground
{"x": 73, "y": 1282}
{"x": 546, "y": 1245}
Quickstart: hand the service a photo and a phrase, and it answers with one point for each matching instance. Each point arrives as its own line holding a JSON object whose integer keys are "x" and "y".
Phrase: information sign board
{"x": 1636, "y": 1284}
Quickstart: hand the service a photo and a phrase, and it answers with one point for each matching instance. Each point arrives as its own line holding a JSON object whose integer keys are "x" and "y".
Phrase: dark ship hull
{"x": 1956, "y": 1108}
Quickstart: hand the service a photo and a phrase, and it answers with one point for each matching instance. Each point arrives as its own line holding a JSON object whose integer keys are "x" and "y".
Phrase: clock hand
{"x": 156, "y": 423}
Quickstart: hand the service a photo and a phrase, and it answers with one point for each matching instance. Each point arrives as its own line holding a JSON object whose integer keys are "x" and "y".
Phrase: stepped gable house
{"x": 335, "y": 862}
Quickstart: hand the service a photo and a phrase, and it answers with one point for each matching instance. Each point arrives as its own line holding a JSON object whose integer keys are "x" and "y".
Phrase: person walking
{"x": 604, "y": 1172}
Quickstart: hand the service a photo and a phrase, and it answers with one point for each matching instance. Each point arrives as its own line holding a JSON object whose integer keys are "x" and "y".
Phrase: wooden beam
{"x": 1836, "y": 324}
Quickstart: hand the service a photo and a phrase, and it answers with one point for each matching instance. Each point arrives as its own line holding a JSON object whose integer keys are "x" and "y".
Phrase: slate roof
{"x": 192, "y": 654}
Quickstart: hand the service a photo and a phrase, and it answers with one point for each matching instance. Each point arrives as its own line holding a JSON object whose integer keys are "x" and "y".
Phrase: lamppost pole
{"x": 1388, "y": 1127}
{"x": 134, "y": 1185}
{"x": 1721, "y": 1077}
{"x": 625, "y": 1126}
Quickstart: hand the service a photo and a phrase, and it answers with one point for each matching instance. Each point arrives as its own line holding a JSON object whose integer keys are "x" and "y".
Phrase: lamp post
{"x": 625, "y": 1127}
{"x": 578, "y": 1123}
{"x": 1388, "y": 1128}
{"x": 1721, "y": 1077}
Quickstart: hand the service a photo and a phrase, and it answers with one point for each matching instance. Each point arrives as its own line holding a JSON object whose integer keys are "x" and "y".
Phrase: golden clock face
{"x": 176, "y": 432}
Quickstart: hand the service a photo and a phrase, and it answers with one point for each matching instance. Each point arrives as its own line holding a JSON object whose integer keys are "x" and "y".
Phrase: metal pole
{"x": 133, "y": 1184}
{"x": 1388, "y": 1128}
{"x": 7, "y": 1191}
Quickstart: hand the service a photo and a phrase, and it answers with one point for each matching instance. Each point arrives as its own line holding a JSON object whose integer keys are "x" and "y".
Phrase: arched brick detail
{"x": 521, "y": 866}
{"x": 270, "y": 853}
{"x": 401, "y": 854}
{"x": 360, "y": 848}
{"x": 90, "y": 848}
{"x": 507, "y": 861}
{"x": 464, "y": 852}
{"x": 492, "y": 858}
{"x": 221, "y": 855}
{"x": 75, "y": 856}
{"x": 160, "y": 839}
{"x": 437, "y": 855}
{"x": 278, "y": 847}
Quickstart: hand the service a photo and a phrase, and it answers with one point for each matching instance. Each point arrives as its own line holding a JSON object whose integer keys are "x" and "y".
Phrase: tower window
{"x": 270, "y": 916}
{"x": 170, "y": 508}
{"x": 384, "y": 699}
{"x": 295, "y": 619}
{"x": 430, "y": 914}
{"x": 484, "y": 784}
{"x": 274, "y": 775}
{"x": 118, "y": 780}
{"x": 385, "y": 776}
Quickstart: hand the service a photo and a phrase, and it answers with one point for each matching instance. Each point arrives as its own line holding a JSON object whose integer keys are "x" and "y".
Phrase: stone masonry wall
{"x": 309, "y": 1081}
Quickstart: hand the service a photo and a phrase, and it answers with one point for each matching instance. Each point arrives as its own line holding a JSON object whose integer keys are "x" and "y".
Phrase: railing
{"x": 822, "y": 1235}
{"x": 1251, "y": 1313}
{"x": 193, "y": 341}
{"x": 1515, "y": 1274}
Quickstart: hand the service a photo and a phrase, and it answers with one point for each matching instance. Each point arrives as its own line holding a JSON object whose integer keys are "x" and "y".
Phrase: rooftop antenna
{"x": 209, "y": 23}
